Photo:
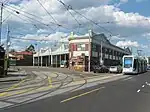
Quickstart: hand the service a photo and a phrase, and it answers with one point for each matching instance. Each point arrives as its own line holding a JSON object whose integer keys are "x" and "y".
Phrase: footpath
{"x": 14, "y": 75}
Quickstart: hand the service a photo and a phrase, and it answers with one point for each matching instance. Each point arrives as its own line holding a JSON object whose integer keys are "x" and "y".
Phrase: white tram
{"x": 134, "y": 64}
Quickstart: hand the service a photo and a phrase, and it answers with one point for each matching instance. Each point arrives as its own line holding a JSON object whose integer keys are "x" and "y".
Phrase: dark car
{"x": 100, "y": 69}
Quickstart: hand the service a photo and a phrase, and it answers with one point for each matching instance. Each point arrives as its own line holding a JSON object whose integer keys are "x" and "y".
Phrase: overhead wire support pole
{"x": 7, "y": 51}
{"x": 89, "y": 48}
{"x": 1, "y": 21}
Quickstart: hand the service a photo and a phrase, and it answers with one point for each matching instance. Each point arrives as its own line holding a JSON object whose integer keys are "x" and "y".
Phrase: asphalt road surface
{"x": 125, "y": 95}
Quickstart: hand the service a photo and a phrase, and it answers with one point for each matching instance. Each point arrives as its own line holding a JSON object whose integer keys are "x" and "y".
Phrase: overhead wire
{"x": 30, "y": 22}
{"x": 55, "y": 21}
{"x": 67, "y": 8}
{"x": 47, "y": 11}
{"x": 70, "y": 7}
{"x": 26, "y": 14}
{"x": 93, "y": 22}
{"x": 18, "y": 11}
{"x": 31, "y": 19}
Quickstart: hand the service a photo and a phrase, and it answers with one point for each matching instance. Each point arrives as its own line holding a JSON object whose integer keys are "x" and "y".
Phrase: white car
{"x": 115, "y": 69}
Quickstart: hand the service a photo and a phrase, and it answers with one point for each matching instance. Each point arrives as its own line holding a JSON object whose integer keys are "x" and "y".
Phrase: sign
{"x": 12, "y": 62}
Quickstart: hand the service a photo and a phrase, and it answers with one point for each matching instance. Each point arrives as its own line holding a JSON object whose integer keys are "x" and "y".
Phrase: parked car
{"x": 148, "y": 67}
{"x": 115, "y": 69}
{"x": 100, "y": 69}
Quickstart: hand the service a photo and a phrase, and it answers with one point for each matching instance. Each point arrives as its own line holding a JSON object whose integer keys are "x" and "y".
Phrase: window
{"x": 81, "y": 47}
{"x": 128, "y": 62}
{"x": 74, "y": 47}
{"x": 93, "y": 47}
{"x": 135, "y": 64}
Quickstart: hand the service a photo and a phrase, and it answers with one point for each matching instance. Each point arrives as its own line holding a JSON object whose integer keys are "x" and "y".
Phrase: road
{"x": 131, "y": 94}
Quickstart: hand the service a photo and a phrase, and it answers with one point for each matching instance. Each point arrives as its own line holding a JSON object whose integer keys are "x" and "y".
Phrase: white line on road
{"x": 138, "y": 91}
{"x": 147, "y": 83}
{"x": 127, "y": 78}
{"x": 143, "y": 86}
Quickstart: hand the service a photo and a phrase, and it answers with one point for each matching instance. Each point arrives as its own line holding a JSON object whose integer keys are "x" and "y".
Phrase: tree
{"x": 31, "y": 48}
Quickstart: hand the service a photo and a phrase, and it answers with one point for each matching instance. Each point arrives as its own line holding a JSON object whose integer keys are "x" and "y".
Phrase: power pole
{"x": 1, "y": 20}
{"x": 101, "y": 59}
{"x": 8, "y": 42}
{"x": 89, "y": 48}
{"x": 7, "y": 51}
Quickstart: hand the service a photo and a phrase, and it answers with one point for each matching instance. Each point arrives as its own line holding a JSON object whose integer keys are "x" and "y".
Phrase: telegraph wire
{"x": 29, "y": 22}
{"x": 67, "y": 8}
{"x": 47, "y": 11}
{"x": 16, "y": 13}
{"x": 70, "y": 7}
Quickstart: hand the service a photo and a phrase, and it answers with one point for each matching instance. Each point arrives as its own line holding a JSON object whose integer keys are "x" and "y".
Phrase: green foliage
{"x": 31, "y": 48}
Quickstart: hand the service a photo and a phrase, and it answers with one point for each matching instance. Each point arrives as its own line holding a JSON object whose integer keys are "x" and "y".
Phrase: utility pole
{"x": 101, "y": 59}
{"x": 89, "y": 62}
{"x": 8, "y": 42}
{"x": 1, "y": 20}
{"x": 7, "y": 51}
{"x": 38, "y": 55}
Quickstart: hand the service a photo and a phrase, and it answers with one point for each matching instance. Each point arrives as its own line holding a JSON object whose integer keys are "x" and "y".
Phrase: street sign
{"x": 12, "y": 62}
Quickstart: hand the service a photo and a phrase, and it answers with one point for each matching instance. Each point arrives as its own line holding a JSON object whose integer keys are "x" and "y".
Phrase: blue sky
{"x": 129, "y": 21}
{"x": 142, "y": 7}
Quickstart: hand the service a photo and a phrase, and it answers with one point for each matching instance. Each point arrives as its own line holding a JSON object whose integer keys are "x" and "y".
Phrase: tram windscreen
{"x": 128, "y": 62}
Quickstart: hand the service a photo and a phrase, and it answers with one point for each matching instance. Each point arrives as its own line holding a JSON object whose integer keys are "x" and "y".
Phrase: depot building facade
{"x": 93, "y": 48}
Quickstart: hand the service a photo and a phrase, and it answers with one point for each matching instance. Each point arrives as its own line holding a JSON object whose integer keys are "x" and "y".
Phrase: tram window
{"x": 135, "y": 64}
{"x": 128, "y": 62}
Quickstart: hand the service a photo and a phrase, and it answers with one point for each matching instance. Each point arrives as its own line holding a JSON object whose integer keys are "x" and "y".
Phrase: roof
{"x": 62, "y": 49}
{"x": 101, "y": 37}
{"x": 12, "y": 56}
{"x": 22, "y": 53}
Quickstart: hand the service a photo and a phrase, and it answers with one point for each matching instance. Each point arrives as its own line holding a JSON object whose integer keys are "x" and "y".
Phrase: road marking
{"x": 138, "y": 91}
{"x": 147, "y": 83}
{"x": 83, "y": 94}
{"x": 127, "y": 78}
{"x": 50, "y": 82}
{"x": 143, "y": 86}
{"x": 11, "y": 88}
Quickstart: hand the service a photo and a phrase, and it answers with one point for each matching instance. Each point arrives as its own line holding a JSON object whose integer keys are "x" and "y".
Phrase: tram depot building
{"x": 79, "y": 50}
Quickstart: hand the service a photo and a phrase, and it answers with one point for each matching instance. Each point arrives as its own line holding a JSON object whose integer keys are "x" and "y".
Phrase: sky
{"x": 125, "y": 22}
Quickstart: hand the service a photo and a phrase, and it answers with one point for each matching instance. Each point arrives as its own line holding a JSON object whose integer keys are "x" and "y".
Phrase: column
{"x": 41, "y": 61}
{"x": 60, "y": 60}
{"x": 46, "y": 60}
{"x": 33, "y": 61}
{"x": 51, "y": 60}
{"x": 56, "y": 60}
{"x": 65, "y": 57}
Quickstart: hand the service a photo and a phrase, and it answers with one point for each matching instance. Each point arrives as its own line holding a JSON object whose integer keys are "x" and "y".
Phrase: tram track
{"x": 61, "y": 85}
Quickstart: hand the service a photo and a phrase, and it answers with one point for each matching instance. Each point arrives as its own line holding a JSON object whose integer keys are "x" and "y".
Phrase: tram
{"x": 2, "y": 61}
{"x": 134, "y": 64}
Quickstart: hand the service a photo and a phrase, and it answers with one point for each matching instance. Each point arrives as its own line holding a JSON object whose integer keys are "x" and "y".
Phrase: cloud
{"x": 147, "y": 35}
{"x": 127, "y": 44}
{"x": 117, "y": 38}
{"x": 124, "y": 1}
{"x": 108, "y": 16}
{"x": 144, "y": 46}
{"x": 52, "y": 37}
